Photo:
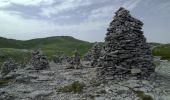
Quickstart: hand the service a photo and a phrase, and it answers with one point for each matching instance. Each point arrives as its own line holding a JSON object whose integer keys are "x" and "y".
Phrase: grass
{"x": 75, "y": 87}
{"x": 4, "y": 82}
{"x": 143, "y": 96}
{"x": 17, "y": 54}
{"x": 163, "y": 51}
{"x": 50, "y": 46}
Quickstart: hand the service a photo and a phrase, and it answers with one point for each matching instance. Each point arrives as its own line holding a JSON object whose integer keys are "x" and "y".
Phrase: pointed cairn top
{"x": 122, "y": 12}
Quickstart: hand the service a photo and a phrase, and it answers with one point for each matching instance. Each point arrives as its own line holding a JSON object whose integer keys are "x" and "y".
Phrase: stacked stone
{"x": 96, "y": 52}
{"x": 88, "y": 56}
{"x": 39, "y": 60}
{"x": 57, "y": 59}
{"x": 24, "y": 62}
{"x": 75, "y": 61}
{"x": 126, "y": 52}
{"x": 8, "y": 66}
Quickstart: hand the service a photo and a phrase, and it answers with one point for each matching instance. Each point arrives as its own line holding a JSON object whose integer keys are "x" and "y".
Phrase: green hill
{"x": 50, "y": 45}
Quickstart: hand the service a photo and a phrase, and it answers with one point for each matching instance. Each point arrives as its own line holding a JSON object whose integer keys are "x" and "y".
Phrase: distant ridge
{"x": 58, "y": 43}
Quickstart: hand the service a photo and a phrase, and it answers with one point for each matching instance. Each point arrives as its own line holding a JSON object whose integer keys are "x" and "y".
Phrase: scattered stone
{"x": 39, "y": 95}
{"x": 6, "y": 96}
{"x": 39, "y": 60}
{"x": 126, "y": 49}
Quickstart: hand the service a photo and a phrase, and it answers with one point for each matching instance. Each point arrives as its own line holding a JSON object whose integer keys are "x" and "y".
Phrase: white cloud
{"x": 4, "y": 3}
{"x": 131, "y": 4}
{"x": 64, "y": 6}
{"x": 15, "y": 26}
{"x": 102, "y": 13}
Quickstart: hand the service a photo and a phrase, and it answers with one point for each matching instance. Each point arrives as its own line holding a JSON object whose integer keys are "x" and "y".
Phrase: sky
{"x": 83, "y": 19}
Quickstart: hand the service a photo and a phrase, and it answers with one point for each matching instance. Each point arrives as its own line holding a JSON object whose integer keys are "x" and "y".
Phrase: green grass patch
{"x": 75, "y": 87}
{"x": 50, "y": 45}
{"x": 163, "y": 51}
{"x": 17, "y": 54}
{"x": 143, "y": 96}
{"x": 4, "y": 82}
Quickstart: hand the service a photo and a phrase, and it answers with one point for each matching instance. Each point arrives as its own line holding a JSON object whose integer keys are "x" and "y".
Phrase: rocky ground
{"x": 28, "y": 84}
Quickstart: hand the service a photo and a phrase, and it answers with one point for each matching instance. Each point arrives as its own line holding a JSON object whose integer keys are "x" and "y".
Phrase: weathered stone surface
{"x": 6, "y": 96}
{"x": 39, "y": 95}
{"x": 125, "y": 48}
{"x": 39, "y": 60}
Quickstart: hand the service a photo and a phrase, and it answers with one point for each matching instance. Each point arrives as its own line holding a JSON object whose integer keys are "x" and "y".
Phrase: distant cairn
{"x": 88, "y": 56}
{"x": 96, "y": 52}
{"x": 126, "y": 52}
{"x": 39, "y": 60}
{"x": 75, "y": 61}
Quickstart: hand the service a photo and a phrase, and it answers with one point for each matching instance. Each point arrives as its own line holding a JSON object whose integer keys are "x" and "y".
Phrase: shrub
{"x": 143, "y": 96}
{"x": 75, "y": 87}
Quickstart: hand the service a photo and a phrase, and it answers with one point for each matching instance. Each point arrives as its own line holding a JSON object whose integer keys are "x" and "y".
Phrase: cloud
{"x": 21, "y": 28}
{"x": 83, "y": 19}
{"x": 64, "y": 6}
{"x": 4, "y": 4}
{"x": 131, "y": 4}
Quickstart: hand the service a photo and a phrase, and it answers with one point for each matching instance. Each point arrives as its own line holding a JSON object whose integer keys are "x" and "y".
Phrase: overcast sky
{"x": 82, "y": 19}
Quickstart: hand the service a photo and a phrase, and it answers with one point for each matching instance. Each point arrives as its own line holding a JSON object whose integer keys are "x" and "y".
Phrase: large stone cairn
{"x": 8, "y": 66}
{"x": 126, "y": 52}
{"x": 96, "y": 52}
{"x": 39, "y": 60}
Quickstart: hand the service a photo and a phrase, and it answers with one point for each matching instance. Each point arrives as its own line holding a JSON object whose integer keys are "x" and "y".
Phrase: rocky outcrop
{"x": 126, "y": 52}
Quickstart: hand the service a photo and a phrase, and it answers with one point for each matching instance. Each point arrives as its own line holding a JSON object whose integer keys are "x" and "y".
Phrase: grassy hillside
{"x": 162, "y": 50}
{"x": 10, "y": 43}
{"x": 50, "y": 45}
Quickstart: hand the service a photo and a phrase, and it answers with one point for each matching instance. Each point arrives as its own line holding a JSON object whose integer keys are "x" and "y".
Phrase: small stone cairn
{"x": 96, "y": 52}
{"x": 126, "y": 52}
{"x": 58, "y": 57}
{"x": 8, "y": 66}
{"x": 39, "y": 60}
{"x": 75, "y": 61}
{"x": 88, "y": 56}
